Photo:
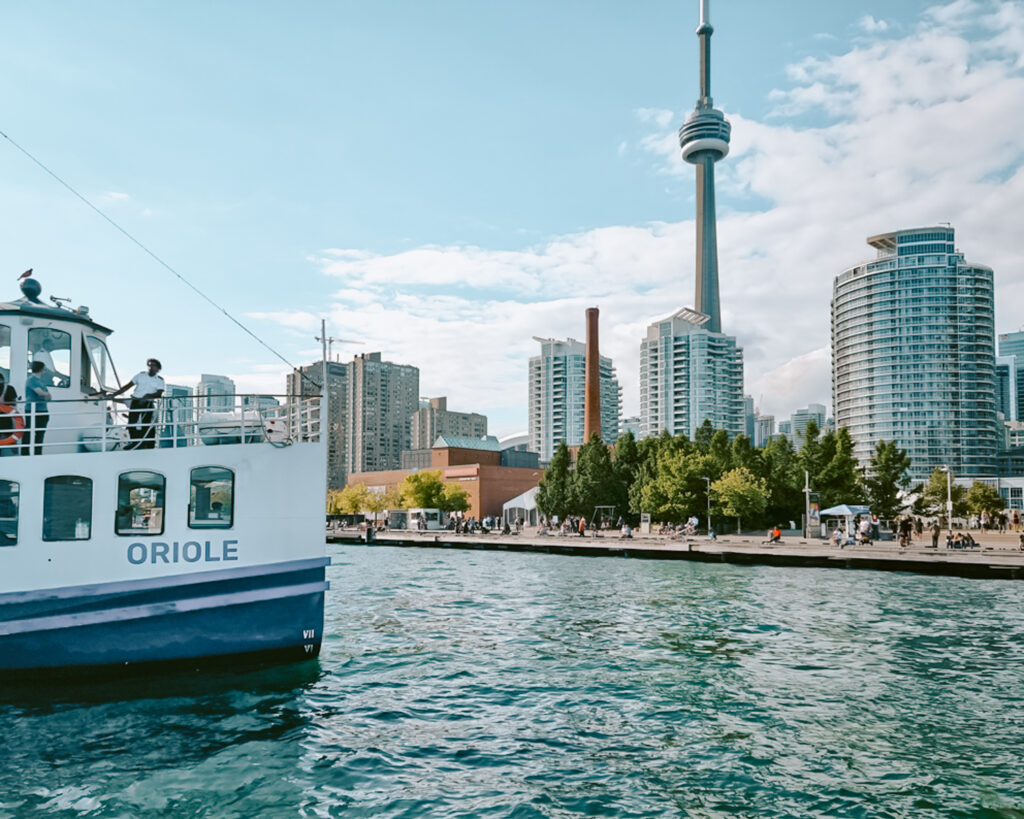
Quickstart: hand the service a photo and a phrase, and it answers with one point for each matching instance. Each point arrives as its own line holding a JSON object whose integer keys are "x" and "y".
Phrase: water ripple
{"x": 463, "y": 684}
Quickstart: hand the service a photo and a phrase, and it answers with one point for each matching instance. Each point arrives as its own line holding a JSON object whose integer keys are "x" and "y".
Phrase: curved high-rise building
{"x": 913, "y": 353}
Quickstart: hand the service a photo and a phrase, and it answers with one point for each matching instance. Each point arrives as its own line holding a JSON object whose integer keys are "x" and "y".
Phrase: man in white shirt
{"x": 142, "y": 407}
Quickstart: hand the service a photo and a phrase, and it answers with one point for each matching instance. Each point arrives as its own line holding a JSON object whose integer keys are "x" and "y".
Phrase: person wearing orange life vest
{"x": 12, "y": 425}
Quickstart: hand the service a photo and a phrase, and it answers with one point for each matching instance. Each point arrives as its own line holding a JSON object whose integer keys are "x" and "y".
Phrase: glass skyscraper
{"x": 689, "y": 374}
{"x": 557, "y": 387}
{"x": 913, "y": 353}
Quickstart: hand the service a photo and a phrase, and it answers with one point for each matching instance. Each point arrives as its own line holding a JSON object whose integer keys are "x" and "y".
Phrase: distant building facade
{"x": 433, "y": 419}
{"x": 260, "y": 402}
{"x": 764, "y": 430}
{"x": 179, "y": 416}
{"x": 307, "y": 381}
{"x": 215, "y": 393}
{"x": 633, "y": 424}
{"x": 489, "y": 474}
{"x": 1012, "y": 343}
{"x": 1006, "y": 387}
{"x": 556, "y": 394}
{"x": 749, "y": 416}
{"x": 913, "y": 353}
{"x": 800, "y": 419}
{"x": 382, "y": 397}
{"x": 689, "y": 374}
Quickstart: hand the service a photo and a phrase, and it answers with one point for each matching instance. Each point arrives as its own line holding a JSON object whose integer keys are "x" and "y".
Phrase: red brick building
{"x": 478, "y": 465}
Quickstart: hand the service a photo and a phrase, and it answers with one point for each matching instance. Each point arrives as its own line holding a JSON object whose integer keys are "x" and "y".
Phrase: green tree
{"x": 984, "y": 499}
{"x": 679, "y": 490}
{"x": 933, "y": 497}
{"x": 593, "y": 481}
{"x": 625, "y": 468}
{"x": 454, "y": 499}
{"x": 702, "y": 438}
{"x": 810, "y": 452}
{"x": 375, "y": 502}
{"x": 741, "y": 494}
{"x": 351, "y": 500}
{"x": 884, "y": 478}
{"x": 784, "y": 476}
{"x": 391, "y": 498}
{"x": 743, "y": 453}
{"x": 720, "y": 453}
{"x": 334, "y": 501}
{"x": 422, "y": 490}
{"x": 839, "y": 479}
{"x": 643, "y": 493}
{"x": 554, "y": 496}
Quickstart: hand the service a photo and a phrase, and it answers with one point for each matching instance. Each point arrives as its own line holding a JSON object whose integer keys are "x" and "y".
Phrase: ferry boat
{"x": 201, "y": 548}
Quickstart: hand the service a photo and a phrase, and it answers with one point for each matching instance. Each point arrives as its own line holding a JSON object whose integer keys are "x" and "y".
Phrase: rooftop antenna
{"x": 328, "y": 341}
{"x": 59, "y": 301}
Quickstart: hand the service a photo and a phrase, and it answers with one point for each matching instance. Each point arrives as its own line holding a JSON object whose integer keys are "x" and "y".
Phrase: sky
{"x": 443, "y": 181}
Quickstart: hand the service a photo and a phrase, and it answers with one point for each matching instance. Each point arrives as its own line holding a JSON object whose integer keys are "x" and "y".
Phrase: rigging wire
{"x": 157, "y": 259}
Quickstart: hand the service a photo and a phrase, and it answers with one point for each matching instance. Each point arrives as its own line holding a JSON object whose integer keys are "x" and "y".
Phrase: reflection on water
{"x": 489, "y": 684}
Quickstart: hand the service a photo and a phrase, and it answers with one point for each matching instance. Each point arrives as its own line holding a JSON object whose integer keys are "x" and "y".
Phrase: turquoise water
{"x": 470, "y": 684}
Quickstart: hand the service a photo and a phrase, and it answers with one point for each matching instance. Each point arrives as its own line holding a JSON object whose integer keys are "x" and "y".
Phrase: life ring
{"x": 19, "y": 425}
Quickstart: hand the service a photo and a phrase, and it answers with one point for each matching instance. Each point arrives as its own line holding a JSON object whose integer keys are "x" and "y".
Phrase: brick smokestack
{"x": 592, "y": 388}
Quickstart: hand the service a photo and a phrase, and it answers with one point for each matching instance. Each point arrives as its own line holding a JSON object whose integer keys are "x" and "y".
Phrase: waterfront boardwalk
{"x": 998, "y": 556}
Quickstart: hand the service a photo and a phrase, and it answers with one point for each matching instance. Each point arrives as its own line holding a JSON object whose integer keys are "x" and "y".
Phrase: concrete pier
{"x": 998, "y": 557}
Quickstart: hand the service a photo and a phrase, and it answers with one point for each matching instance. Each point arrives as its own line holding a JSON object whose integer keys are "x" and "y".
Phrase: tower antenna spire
{"x": 704, "y": 139}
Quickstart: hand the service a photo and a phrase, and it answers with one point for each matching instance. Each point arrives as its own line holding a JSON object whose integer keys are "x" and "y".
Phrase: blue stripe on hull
{"x": 276, "y": 610}
{"x": 275, "y": 627}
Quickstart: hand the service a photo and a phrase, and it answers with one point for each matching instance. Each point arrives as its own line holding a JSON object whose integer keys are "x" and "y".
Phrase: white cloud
{"x": 798, "y": 382}
{"x": 873, "y": 26}
{"x": 661, "y": 117}
{"x": 912, "y": 130}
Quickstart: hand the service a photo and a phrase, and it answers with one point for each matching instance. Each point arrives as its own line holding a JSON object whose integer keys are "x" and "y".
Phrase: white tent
{"x": 848, "y": 513}
{"x": 523, "y": 506}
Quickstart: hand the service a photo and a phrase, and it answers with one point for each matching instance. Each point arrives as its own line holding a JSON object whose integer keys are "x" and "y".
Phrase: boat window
{"x": 98, "y": 374}
{"x": 5, "y": 352}
{"x": 140, "y": 503}
{"x": 67, "y": 508}
{"x": 53, "y": 348}
{"x": 211, "y": 503}
{"x": 8, "y": 513}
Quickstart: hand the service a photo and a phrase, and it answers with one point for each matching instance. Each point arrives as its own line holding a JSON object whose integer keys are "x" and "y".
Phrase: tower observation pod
{"x": 704, "y": 139}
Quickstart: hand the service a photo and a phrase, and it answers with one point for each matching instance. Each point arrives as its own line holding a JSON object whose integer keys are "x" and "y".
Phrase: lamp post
{"x": 707, "y": 480}
{"x": 807, "y": 504}
{"x": 949, "y": 499}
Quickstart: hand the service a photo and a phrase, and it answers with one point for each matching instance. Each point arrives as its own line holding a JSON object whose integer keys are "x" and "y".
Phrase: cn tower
{"x": 704, "y": 139}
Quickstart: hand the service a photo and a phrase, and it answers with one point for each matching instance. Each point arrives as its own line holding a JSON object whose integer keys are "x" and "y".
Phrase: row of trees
{"x": 419, "y": 490}
{"x": 674, "y": 478}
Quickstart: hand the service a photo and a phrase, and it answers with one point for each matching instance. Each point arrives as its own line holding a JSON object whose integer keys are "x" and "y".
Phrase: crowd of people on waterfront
{"x": 908, "y": 528}
{"x": 861, "y": 530}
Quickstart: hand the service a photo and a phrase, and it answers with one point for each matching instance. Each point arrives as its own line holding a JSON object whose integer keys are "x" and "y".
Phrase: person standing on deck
{"x": 38, "y": 410}
{"x": 142, "y": 407}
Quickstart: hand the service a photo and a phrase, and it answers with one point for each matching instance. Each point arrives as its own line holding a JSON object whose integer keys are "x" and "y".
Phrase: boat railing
{"x": 102, "y": 424}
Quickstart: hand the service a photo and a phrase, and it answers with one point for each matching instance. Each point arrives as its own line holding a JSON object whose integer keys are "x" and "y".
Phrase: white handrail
{"x": 103, "y": 424}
